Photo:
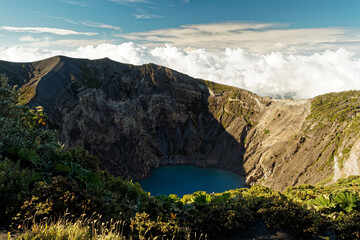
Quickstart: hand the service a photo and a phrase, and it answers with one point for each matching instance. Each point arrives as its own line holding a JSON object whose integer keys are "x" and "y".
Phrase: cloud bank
{"x": 252, "y": 36}
{"x": 303, "y": 76}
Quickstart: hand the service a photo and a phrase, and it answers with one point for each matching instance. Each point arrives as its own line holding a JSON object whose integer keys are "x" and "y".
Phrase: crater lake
{"x": 187, "y": 179}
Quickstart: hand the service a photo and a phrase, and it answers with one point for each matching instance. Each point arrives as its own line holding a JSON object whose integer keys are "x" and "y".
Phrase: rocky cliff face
{"x": 136, "y": 118}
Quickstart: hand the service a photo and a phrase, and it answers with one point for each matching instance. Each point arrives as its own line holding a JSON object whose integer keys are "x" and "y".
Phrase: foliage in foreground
{"x": 40, "y": 180}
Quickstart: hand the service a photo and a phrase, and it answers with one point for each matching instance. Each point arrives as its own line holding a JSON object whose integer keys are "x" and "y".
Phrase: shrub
{"x": 291, "y": 216}
{"x": 15, "y": 186}
{"x": 219, "y": 217}
{"x": 145, "y": 228}
{"x": 348, "y": 226}
{"x": 60, "y": 196}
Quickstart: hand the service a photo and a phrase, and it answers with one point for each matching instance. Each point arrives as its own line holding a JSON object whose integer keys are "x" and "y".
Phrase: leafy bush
{"x": 15, "y": 187}
{"x": 60, "y": 196}
{"x": 81, "y": 157}
{"x": 220, "y": 215}
{"x": 348, "y": 226}
{"x": 323, "y": 202}
{"x": 145, "y": 228}
{"x": 344, "y": 201}
{"x": 291, "y": 216}
{"x": 347, "y": 201}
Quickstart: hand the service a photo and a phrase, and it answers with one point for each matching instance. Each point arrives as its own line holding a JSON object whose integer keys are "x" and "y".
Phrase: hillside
{"x": 136, "y": 118}
{"x": 51, "y": 192}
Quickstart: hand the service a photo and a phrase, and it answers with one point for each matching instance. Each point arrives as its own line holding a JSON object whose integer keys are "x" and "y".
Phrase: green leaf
{"x": 201, "y": 198}
{"x": 322, "y": 202}
{"x": 347, "y": 201}
{"x": 62, "y": 168}
{"x": 30, "y": 155}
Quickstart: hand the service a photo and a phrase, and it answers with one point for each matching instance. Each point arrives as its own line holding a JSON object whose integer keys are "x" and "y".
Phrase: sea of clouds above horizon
{"x": 271, "y": 74}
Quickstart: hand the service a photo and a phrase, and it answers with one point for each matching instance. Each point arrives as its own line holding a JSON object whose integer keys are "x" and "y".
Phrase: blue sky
{"x": 112, "y": 20}
{"x": 303, "y": 48}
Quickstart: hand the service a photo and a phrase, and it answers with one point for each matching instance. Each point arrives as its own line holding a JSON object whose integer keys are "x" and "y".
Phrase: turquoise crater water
{"x": 186, "y": 179}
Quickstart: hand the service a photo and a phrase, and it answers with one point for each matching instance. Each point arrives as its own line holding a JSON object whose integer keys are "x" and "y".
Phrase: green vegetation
{"x": 337, "y": 107}
{"x": 340, "y": 108}
{"x": 49, "y": 192}
{"x": 26, "y": 94}
{"x": 336, "y": 116}
{"x": 218, "y": 88}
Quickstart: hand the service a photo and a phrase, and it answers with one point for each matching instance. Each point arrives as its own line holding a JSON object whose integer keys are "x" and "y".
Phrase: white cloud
{"x": 265, "y": 74}
{"x": 254, "y": 37}
{"x": 101, "y": 25}
{"x": 146, "y": 16}
{"x": 21, "y": 54}
{"x": 56, "y": 31}
{"x": 186, "y": 1}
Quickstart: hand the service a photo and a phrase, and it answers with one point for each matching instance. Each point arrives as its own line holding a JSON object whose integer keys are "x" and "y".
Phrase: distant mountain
{"x": 136, "y": 118}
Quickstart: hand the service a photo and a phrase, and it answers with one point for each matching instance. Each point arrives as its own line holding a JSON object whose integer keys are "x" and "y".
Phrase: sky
{"x": 271, "y": 47}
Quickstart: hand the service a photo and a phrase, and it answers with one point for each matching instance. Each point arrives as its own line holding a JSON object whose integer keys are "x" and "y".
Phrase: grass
{"x": 326, "y": 181}
{"x": 218, "y": 88}
{"x": 84, "y": 228}
{"x": 345, "y": 155}
{"x": 266, "y": 131}
{"x": 334, "y": 107}
{"x": 339, "y": 112}
{"x": 26, "y": 94}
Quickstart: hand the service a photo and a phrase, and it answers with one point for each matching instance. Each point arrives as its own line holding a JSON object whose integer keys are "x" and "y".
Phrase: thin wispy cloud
{"x": 127, "y": 2}
{"x": 56, "y": 31}
{"x": 87, "y": 23}
{"x": 76, "y": 3}
{"x": 46, "y": 42}
{"x": 27, "y": 39}
{"x": 146, "y": 16}
{"x": 62, "y": 18}
{"x": 101, "y": 25}
{"x": 255, "y": 37}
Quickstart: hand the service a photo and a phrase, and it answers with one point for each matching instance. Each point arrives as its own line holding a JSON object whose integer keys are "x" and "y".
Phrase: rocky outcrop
{"x": 136, "y": 118}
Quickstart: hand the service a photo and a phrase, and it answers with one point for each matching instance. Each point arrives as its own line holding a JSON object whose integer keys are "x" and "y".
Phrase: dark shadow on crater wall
{"x": 202, "y": 140}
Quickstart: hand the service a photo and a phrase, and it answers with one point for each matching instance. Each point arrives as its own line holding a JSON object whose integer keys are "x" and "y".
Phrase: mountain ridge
{"x": 136, "y": 118}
